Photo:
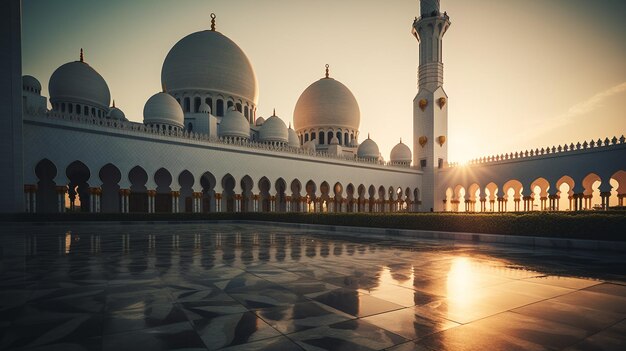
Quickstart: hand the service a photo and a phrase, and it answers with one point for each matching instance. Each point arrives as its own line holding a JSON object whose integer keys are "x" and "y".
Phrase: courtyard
{"x": 238, "y": 286}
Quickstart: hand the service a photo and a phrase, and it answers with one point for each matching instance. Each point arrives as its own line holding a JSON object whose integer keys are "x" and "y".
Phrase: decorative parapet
{"x": 141, "y": 128}
{"x": 554, "y": 150}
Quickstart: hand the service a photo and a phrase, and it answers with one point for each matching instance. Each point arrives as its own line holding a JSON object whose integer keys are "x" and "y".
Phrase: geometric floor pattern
{"x": 260, "y": 287}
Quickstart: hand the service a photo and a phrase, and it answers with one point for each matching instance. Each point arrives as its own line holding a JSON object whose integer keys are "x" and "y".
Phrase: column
{"x": 237, "y": 202}
{"x": 273, "y": 204}
{"x": 174, "y": 200}
{"x": 366, "y": 205}
{"x": 304, "y": 204}
{"x": 61, "y": 190}
{"x": 287, "y": 203}
{"x": 605, "y": 199}
{"x": 151, "y": 196}
{"x": 93, "y": 200}
{"x": 218, "y": 202}
{"x": 255, "y": 203}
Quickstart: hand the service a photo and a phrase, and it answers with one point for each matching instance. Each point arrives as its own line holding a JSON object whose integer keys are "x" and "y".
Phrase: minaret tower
{"x": 430, "y": 106}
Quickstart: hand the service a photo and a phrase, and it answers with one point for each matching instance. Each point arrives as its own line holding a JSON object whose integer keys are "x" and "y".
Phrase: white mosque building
{"x": 202, "y": 147}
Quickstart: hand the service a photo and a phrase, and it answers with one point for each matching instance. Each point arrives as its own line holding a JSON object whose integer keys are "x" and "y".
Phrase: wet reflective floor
{"x": 251, "y": 287}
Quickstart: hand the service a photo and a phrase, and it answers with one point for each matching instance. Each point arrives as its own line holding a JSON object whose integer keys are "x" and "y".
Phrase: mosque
{"x": 202, "y": 147}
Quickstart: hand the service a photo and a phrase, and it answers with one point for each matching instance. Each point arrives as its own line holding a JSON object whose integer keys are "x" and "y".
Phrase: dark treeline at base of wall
{"x": 606, "y": 225}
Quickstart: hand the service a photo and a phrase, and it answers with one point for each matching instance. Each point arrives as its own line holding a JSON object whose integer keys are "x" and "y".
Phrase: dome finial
{"x": 164, "y": 87}
{"x": 213, "y": 22}
{"x": 274, "y": 113}
{"x": 368, "y": 135}
{"x": 400, "y": 140}
{"x": 327, "y": 66}
{"x": 82, "y": 57}
{"x": 113, "y": 103}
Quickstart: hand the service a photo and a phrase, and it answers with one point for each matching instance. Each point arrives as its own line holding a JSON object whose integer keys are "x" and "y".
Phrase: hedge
{"x": 605, "y": 225}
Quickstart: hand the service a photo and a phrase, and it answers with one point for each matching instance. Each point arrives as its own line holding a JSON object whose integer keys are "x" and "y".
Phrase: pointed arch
{"x": 110, "y": 176}
{"x": 47, "y": 201}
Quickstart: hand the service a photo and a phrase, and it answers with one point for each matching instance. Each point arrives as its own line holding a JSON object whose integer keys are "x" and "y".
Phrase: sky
{"x": 519, "y": 74}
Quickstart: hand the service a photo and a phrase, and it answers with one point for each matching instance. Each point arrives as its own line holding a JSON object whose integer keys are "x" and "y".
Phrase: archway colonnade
{"x": 112, "y": 190}
{"x": 567, "y": 193}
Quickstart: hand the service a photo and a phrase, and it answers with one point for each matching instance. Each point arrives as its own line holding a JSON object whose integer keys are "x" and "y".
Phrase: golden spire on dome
{"x": 82, "y": 57}
{"x": 113, "y": 103}
{"x": 327, "y": 66}
{"x": 274, "y": 113}
{"x": 213, "y": 22}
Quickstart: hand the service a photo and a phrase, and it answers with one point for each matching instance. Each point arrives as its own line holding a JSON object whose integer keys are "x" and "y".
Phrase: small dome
{"x": 204, "y": 108}
{"x": 162, "y": 108}
{"x": 234, "y": 125}
{"x": 354, "y": 143}
{"x": 327, "y": 103}
{"x": 334, "y": 140}
{"x": 259, "y": 121}
{"x": 116, "y": 114}
{"x": 78, "y": 82}
{"x": 401, "y": 153}
{"x": 310, "y": 145}
{"x": 294, "y": 141}
{"x": 209, "y": 61}
{"x": 31, "y": 84}
{"x": 368, "y": 149}
{"x": 274, "y": 129}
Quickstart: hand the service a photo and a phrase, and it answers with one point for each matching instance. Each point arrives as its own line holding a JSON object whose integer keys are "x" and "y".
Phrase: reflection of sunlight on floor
{"x": 461, "y": 283}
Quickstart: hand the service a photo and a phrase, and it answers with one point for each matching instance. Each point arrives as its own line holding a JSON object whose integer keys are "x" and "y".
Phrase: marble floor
{"x": 260, "y": 287}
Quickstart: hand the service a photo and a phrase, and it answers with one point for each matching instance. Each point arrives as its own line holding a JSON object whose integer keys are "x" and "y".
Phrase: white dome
{"x": 327, "y": 103}
{"x": 368, "y": 149}
{"x": 204, "y": 108}
{"x": 294, "y": 141}
{"x": 31, "y": 84}
{"x": 274, "y": 129}
{"x": 77, "y": 82}
{"x": 234, "y": 125}
{"x": 334, "y": 140}
{"x": 162, "y": 108}
{"x": 116, "y": 114}
{"x": 209, "y": 61}
{"x": 401, "y": 153}
{"x": 259, "y": 121}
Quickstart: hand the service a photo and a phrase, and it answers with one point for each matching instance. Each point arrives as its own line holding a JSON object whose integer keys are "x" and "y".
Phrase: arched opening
{"x": 400, "y": 203}
{"x": 473, "y": 198}
{"x": 360, "y": 198}
{"x": 220, "y": 107}
{"x": 417, "y": 200}
{"x": 339, "y": 137}
{"x": 296, "y": 188}
{"x": 78, "y": 188}
{"x": 207, "y": 181}
{"x": 238, "y": 107}
{"x": 345, "y": 139}
{"x": 618, "y": 189}
{"x": 325, "y": 197}
{"x": 338, "y": 191}
{"x": 247, "y": 184}
{"x": 371, "y": 191}
{"x": 491, "y": 195}
{"x": 311, "y": 188}
{"x": 322, "y": 138}
{"x": 513, "y": 195}
{"x": 229, "y": 104}
{"x": 264, "y": 195}
{"x": 382, "y": 199}
{"x": 187, "y": 105}
{"x": 539, "y": 188}
{"x": 163, "y": 199}
{"x": 185, "y": 196}
{"x": 47, "y": 200}
{"x": 138, "y": 198}
{"x": 591, "y": 194}
{"x": 197, "y": 101}
{"x": 350, "y": 198}
{"x": 281, "y": 198}
{"x": 565, "y": 187}
{"x": 110, "y": 198}
{"x": 449, "y": 205}
{"x": 228, "y": 194}
{"x": 458, "y": 201}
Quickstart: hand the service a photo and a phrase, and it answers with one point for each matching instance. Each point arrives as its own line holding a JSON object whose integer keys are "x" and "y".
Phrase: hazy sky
{"x": 519, "y": 73}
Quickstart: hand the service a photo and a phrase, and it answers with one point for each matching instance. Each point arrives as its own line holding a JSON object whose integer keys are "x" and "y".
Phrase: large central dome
{"x": 327, "y": 103}
{"x": 209, "y": 61}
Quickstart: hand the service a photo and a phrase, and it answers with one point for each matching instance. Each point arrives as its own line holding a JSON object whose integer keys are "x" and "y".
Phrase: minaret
{"x": 430, "y": 106}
